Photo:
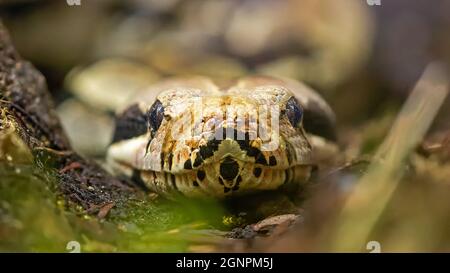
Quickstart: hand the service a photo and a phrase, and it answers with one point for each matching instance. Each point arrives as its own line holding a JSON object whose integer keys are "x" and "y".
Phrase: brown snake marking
{"x": 192, "y": 137}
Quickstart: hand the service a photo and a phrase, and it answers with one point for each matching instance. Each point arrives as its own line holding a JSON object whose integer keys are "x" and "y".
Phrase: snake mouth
{"x": 217, "y": 168}
{"x": 206, "y": 182}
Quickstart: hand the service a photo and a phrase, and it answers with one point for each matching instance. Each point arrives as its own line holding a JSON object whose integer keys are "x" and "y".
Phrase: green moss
{"x": 33, "y": 218}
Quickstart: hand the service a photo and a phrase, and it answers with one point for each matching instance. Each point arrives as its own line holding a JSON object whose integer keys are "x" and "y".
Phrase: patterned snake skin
{"x": 193, "y": 137}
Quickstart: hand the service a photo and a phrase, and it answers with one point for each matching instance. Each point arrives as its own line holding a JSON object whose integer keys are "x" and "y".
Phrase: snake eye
{"x": 294, "y": 111}
{"x": 155, "y": 116}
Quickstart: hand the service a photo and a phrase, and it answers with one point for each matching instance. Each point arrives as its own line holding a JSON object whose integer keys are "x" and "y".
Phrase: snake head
{"x": 195, "y": 138}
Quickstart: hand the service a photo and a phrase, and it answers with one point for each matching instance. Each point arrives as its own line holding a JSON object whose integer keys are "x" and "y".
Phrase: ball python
{"x": 196, "y": 137}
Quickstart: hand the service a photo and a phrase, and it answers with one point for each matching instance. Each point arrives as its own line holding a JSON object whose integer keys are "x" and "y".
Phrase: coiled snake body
{"x": 194, "y": 137}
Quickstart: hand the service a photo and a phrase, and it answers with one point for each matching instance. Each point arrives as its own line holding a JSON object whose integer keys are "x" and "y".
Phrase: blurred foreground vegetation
{"x": 33, "y": 218}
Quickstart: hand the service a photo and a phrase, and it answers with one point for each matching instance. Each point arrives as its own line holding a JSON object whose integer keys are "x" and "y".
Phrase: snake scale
{"x": 196, "y": 137}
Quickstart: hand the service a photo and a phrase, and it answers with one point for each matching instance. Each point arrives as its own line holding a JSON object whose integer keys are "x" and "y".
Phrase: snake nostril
{"x": 201, "y": 175}
{"x": 257, "y": 172}
{"x": 229, "y": 168}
